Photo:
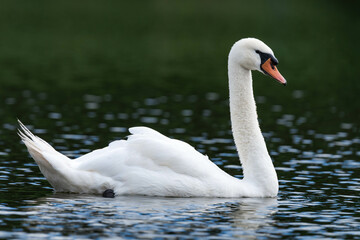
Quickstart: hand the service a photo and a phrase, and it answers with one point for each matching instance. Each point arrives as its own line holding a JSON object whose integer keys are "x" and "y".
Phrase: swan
{"x": 149, "y": 163}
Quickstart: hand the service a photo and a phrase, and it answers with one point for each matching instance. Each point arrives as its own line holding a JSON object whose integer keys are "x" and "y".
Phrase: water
{"x": 144, "y": 217}
{"x": 80, "y": 75}
{"x": 318, "y": 174}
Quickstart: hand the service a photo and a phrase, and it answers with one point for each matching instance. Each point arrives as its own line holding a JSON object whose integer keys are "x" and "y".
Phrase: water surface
{"x": 79, "y": 75}
{"x": 318, "y": 174}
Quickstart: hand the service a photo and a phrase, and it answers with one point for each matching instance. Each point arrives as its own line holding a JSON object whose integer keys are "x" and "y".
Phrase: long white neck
{"x": 254, "y": 157}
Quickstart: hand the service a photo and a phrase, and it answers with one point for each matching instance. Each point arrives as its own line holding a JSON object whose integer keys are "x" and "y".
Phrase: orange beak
{"x": 271, "y": 70}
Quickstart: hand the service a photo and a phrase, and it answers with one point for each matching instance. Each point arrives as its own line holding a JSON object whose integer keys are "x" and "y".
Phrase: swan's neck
{"x": 250, "y": 144}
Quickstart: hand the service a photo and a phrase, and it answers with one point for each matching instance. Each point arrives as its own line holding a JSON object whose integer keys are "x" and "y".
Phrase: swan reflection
{"x": 151, "y": 217}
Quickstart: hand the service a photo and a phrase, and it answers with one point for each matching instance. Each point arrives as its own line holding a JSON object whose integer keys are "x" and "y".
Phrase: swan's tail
{"x": 52, "y": 164}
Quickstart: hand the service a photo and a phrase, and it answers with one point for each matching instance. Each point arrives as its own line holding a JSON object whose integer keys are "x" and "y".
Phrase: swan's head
{"x": 253, "y": 54}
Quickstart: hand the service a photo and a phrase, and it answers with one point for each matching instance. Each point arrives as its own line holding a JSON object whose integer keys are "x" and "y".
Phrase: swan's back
{"x": 147, "y": 163}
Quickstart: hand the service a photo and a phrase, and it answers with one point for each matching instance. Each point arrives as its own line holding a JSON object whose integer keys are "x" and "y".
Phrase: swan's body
{"x": 149, "y": 163}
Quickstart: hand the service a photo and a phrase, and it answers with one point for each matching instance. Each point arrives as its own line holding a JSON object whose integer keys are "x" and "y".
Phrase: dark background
{"x": 79, "y": 73}
{"x": 176, "y": 46}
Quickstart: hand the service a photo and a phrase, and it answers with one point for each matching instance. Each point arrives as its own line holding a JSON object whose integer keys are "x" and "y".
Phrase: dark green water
{"x": 79, "y": 74}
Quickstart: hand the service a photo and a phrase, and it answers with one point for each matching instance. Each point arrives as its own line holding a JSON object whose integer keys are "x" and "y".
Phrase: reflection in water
{"x": 318, "y": 175}
{"x": 147, "y": 217}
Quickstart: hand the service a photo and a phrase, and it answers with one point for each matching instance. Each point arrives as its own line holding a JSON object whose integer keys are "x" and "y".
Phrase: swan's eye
{"x": 266, "y": 56}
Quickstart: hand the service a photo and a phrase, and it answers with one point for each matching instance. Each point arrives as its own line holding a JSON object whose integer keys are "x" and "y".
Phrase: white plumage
{"x": 149, "y": 163}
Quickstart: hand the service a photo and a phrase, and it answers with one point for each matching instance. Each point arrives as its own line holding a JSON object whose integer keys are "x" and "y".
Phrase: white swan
{"x": 149, "y": 163}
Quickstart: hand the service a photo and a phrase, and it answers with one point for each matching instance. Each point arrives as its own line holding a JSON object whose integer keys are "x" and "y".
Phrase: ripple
{"x": 318, "y": 174}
